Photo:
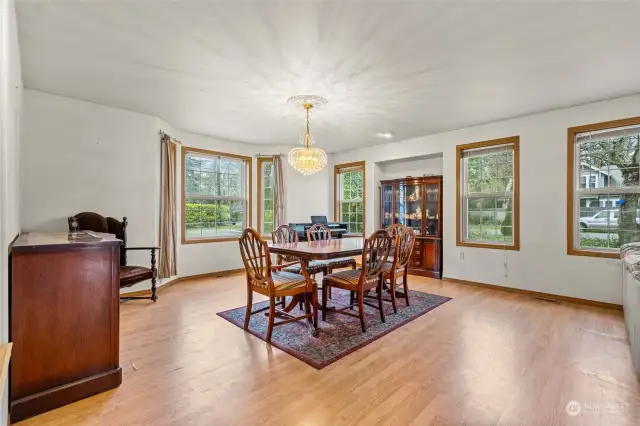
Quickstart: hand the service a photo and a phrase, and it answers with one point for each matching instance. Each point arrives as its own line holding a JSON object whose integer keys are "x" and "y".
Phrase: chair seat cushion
{"x": 130, "y": 275}
{"x": 315, "y": 267}
{"x": 347, "y": 280}
{"x": 387, "y": 269}
{"x": 283, "y": 280}
{"x": 342, "y": 262}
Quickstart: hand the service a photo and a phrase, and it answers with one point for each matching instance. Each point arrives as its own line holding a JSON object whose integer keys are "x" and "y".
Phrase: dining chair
{"x": 398, "y": 267}
{"x": 268, "y": 280}
{"x": 286, "y": 234}
{"x": 396, "y": 229}
{"x": 374, "y": 255}
{"x": 319, "y": 232}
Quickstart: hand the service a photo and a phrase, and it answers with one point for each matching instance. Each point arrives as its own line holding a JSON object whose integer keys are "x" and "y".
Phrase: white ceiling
{"x": 226, "y": 68}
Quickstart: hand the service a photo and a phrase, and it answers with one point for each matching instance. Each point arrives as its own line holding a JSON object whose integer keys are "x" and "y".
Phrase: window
{"x": 215, "y": 197}
{"x": 487, "y": 185}
{"x": 604, "y": 187}
{"x": 265, "y": 196}
{"x": 350, "y": 195}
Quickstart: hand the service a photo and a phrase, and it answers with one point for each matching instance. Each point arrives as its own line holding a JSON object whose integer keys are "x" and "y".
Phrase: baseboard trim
{"x": 538, "y": 294}
{"x": 142, "y": 293}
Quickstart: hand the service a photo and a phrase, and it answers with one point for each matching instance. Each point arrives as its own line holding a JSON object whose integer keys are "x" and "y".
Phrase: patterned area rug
{"x": 340, "y": 334}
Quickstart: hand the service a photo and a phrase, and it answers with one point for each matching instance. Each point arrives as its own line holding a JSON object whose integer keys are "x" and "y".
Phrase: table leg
{"x": 311, "y": 288}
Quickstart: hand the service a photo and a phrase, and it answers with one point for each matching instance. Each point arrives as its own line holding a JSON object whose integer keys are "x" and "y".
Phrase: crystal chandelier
{"x": 307, "y": 160}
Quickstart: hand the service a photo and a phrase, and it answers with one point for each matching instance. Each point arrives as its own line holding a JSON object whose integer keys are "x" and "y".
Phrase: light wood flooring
{"x": 487, "y": 357}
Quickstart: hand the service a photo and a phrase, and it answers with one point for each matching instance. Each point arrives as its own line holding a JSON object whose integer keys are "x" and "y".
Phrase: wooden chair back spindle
{"x": 395, "y": 230}
{"x": 404, "y": 246}
{"x": 319, "y": 232}
{"x": 256, "y": 259}
{"x": 282, "y": 235}
{"x": 375, "y": 252}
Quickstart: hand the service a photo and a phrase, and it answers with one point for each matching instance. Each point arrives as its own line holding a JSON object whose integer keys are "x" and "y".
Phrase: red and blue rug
{"x": 340, "y": 334}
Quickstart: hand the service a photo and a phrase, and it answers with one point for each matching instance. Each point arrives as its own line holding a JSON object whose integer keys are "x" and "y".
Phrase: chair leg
{"x": 325, "y": 290}
{"x": 284, "y": 301}
{"x": 380, "y": 305}
{"x": 352, "y": 299}
{"x": 154, "y": 296}
{"x": 392, "y": 287}
{"x": 361, "y": 309}
{"x": 247, "y": 314}
{"x": 272, "y": 317}
{"x": 314, "y": 301}
{"x": 406, "y": 288}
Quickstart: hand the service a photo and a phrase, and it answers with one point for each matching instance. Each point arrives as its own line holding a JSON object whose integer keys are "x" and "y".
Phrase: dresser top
{"x": 39, "y": 241}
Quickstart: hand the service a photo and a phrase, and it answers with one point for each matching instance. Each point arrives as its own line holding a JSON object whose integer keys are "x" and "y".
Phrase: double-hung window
{"x": 350, "y": 195}
{"x": 604, "y": 187}
{"x": 216, "y": 201}
{"x": 487, "y": 185}
{"x": 265, "y": 196}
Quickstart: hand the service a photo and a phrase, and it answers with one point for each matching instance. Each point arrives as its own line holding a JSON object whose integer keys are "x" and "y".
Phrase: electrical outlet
{"x": 461, "y": 255}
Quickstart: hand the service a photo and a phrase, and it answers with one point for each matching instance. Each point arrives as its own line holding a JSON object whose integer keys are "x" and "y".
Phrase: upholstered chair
{"x": 319, "y": 232}
{"x": 397, "y": 267}
{"x": 358, "y": 282}
{"x": 269, "y": 280}
{"x": 129, "y": 275}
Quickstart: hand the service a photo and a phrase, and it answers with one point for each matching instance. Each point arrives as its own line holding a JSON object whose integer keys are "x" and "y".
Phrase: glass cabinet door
{"x": 387, "y": 205}
{"x": 432, "y": 213}
{"x": 411, "y": 213}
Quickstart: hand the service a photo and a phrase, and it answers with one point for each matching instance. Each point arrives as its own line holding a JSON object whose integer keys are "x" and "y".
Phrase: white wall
{"x": 542, "y": 263}
{"x": 80, "y": 156}
{"x": 10, "y": 116}
{"x": 396, "y": 169}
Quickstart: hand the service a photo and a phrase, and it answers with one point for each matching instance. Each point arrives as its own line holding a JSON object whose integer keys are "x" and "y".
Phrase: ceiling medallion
{"x": 307, "y": 160}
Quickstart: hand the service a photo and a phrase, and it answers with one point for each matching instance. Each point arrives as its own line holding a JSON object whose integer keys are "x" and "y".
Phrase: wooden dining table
{"x": 307, "y": 251}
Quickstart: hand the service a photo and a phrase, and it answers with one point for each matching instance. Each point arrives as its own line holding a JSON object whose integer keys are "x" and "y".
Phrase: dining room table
{"x": 307, "y": 251}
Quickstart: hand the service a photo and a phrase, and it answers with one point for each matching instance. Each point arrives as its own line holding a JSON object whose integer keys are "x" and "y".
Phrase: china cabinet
{"x": 416, "y": 202}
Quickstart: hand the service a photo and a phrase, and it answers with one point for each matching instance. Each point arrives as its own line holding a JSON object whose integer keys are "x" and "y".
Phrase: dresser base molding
{"x": 50, "y": 399}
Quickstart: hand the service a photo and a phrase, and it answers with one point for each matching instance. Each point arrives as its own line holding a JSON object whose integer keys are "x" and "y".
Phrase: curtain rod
{"x": 174, "y": 140}
{"x": 259, "y": 155}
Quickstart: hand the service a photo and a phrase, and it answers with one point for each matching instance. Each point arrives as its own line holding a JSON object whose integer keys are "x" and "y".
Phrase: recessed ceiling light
{"x": 386, "y": 135}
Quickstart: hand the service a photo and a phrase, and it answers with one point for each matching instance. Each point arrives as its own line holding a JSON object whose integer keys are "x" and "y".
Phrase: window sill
{"x": 210, "y": 240}
{"x": 513, "y": 247}
{"x": 593, "y": 253}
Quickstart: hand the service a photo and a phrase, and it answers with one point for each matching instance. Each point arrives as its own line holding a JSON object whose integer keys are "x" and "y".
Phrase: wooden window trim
{"x": 515, "y": 140}
{"x": 261, "y": 160}
{"x": 248, "y": 160}
{"x": 336, "y": 171}
{"x": 571, "y": 137}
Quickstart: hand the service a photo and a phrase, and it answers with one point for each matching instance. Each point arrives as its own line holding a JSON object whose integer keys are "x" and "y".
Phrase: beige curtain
{"x": 167, "y": 265}
{"x": 278, "y": 192}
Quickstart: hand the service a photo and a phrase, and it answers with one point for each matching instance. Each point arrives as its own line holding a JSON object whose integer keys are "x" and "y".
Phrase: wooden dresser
{"x": 64, "y": 319}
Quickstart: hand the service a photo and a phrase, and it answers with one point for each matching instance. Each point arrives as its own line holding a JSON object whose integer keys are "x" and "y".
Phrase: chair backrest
{"x": 404, "y": 246}
{"x": 257, "y": 261}
{"x": 375, "y": 252}
{"x": 318, "y": 232}
{"x": 282, "y": 235}
{"x": 89, "y": 221}
{"x": 395, "y": 230}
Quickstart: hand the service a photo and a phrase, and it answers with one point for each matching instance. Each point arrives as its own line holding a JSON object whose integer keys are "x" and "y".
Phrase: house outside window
{"x": 603, "y": 215}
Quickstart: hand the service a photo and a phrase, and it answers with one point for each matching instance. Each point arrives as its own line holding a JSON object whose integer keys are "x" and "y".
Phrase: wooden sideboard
{"x": 64, "y": 319}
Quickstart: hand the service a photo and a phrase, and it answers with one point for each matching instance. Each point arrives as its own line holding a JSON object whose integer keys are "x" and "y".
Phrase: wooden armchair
{"x": 286, "y": 234}
{"x": 320, "y": 232}
{"x": 129, "y": 275}
{"x": 397, "y": 267}
{"x": 358, "y": 282}
{"x": 268, "y": 280}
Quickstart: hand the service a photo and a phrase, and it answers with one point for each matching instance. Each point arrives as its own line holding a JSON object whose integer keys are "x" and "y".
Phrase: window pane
{"x": 351, "y": 191}
{"x": 608, "y": 221}
{"x": 213, "y": 176}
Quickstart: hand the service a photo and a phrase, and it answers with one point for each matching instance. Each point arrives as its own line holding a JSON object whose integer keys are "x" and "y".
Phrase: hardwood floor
{"x": 487, "y": 357}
